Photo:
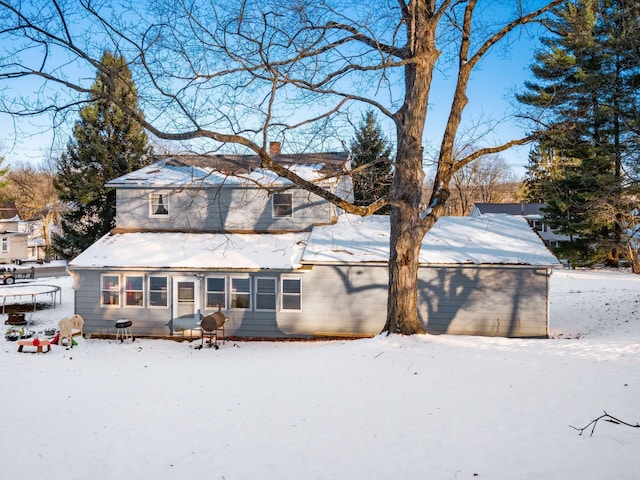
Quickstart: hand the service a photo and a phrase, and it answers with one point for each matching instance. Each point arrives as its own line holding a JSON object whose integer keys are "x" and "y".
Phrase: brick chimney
{"x": 274, "y": 148}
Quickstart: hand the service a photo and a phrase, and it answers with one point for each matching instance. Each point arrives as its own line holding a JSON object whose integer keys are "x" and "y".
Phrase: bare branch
{"x": 607, "y": 418}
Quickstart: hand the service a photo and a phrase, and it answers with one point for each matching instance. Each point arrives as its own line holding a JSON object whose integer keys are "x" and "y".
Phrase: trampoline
{"x": 31, "y": 291}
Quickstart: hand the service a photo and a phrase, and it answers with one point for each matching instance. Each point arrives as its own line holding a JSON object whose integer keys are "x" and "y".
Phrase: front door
{"x": 186, "y": 303}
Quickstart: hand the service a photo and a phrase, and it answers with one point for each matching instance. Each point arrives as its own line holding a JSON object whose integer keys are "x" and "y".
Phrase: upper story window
{"x": 158, "y": 204}
{"x": 282, "y": 204}
{"x": 4, "y": 244}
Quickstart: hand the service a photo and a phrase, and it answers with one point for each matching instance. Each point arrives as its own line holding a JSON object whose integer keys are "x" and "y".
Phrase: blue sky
{"x": 490, "y": 95}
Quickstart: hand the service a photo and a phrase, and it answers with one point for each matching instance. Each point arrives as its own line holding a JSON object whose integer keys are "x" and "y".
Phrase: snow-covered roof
{"x": 194, "y": 250}
{"x": 492, "y": 239}
{"x": 172, "y": 172}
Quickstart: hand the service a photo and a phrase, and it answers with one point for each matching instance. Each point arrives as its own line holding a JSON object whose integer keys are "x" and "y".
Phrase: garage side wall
{"x": 493, "y": 301}
{"x": 487, "y": 301}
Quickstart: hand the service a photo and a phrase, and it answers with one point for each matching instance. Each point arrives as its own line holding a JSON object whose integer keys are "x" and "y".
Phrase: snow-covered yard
{"x": 432, "y": 407}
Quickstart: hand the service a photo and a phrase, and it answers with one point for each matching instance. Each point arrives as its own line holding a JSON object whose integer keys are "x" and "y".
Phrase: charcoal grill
{"x": 212, "y": 327}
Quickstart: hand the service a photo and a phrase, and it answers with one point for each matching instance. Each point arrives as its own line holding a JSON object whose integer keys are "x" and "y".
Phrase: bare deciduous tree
{"x": 248, "y": 72}
{"x": 31, "y": 188}
{"x": 487, "y": 180}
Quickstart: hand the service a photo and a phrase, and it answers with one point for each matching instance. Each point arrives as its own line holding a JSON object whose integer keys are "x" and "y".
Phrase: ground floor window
{"x": 291, "y": 288}
{"x": 158, "y": 291}
{"x": 216, "y": 291}
{"x": 265, "y": 293}
{"x": 110, "y": 290}
{"x": 134, "y": 291}
{"x": 240, "y": 292}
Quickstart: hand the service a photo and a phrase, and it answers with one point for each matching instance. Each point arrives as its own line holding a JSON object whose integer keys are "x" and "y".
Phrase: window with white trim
{"x": 4, "y": 244}
{"x": 241, "y": 292}
{"x": 134, "y": 290}
{"x": 158, "y": 204}
{"x": 110, "y": 290}
{"x": 282, "y": 204}
{"x": 216, "y": 292}
{"x": 158, "y": 291}
{"x": 266, "y": 293}
{"x": 291, "y": 293}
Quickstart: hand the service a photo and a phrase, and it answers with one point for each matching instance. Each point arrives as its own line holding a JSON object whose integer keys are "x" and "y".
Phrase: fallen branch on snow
{"x": 607, "y": 418}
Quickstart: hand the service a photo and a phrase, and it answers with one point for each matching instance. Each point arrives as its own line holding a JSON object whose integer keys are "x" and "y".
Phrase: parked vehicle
{"x": 8, "y": 276}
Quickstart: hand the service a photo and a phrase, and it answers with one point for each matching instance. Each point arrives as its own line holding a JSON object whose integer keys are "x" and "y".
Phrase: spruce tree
{"x": 106, "y": 143}
{"x": 371, "y": 162}
{"x": 586, "y": 85}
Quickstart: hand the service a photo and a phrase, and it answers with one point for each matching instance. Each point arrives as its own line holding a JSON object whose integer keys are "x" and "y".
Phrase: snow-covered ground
{"x": 428, "y": 407}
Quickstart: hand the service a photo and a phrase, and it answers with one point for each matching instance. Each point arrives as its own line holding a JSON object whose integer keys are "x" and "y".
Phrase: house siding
{"x": 16, "y": 247}
{"x": 352, "y": 300}
{"x": 487, "y": 301}
{"x": 219, "y": 209}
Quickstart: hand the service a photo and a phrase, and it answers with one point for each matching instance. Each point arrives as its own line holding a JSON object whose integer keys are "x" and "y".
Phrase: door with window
{"x": 186, "y": 303}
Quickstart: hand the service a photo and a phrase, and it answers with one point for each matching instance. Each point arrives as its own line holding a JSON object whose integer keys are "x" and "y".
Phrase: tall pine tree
{"x": 371, "y": 162}
{"x": 585, "y": 91}
{"x": 106, "y": 143}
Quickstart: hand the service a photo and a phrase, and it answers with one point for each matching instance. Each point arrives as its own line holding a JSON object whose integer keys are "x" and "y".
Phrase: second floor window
{"x": 282, "y": 204}
{"x": 159, "y": 204}
{"x": 4, "y": 244}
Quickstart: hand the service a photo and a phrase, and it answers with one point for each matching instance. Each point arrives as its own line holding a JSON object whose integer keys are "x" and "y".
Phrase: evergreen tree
{"x": 371, "y": 162}
{"x": 106, "y": 143}
{"x": 586, "y": 89}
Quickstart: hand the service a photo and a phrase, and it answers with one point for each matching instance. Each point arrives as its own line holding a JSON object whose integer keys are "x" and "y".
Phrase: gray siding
{"x": 218, "y": 209}
{"x": 490, "y": 301}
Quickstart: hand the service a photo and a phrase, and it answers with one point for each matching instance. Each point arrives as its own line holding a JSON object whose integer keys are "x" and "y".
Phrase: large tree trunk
{"x": 402, "y": 303}
{"x": 407, "y": 232}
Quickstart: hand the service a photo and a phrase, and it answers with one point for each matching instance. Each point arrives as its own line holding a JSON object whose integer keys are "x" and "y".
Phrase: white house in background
{"x": 533, "y": 212}
{"x": 194, "y": 234}
{"x": 13, "y": 242}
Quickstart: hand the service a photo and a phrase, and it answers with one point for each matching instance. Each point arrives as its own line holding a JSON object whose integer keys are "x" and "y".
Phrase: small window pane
{"x": 291, "y": 294}
{"x": 159, "y": 204}
{"x": 282, "y": 204}
{"x": 240, "y": 293}
{"x": 265, "y": 293}
{"x": 216, "y": 292}
{"x": 133, "y": 291}
{"x": 158, "y": 291}
{"x": 110, "y": 290}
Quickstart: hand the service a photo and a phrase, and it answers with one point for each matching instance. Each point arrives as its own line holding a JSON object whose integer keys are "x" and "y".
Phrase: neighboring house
{"x": 195, "y": 234}
{"x": 13, "y": 242}
{"x": 533, "y": 212}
